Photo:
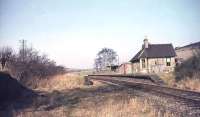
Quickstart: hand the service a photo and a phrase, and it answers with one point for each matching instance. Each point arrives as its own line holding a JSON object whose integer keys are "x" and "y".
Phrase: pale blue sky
{"x": 72, "y": 31}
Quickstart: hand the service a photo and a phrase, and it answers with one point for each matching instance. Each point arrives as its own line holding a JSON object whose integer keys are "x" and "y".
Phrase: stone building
{"x": 186, "y": 52}
{"x": 125, "y": 68}
{"x": 154, "y": 58}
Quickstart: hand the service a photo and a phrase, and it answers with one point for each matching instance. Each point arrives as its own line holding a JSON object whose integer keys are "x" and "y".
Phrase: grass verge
{"x": 186, "y": 83}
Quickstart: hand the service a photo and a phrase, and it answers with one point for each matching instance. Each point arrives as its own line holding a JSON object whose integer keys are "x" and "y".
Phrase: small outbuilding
{"x": 125, "y": 68}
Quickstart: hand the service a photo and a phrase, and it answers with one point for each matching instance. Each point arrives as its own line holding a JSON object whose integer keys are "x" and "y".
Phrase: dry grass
{"x": 78, "y": 100}
{"x": 133, "y": 107}
{"x": 58, "y": 112}
{"x": 168, "y": 78}
{"x": 61, "y": 82}
{"x": 187, "y": 83}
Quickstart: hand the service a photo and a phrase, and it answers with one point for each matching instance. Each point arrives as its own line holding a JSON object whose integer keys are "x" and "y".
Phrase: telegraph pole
{"x": 23, "y": 48}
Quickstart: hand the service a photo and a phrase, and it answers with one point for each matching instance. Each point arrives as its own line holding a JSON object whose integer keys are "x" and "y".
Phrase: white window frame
{"x": 168, "y": 61}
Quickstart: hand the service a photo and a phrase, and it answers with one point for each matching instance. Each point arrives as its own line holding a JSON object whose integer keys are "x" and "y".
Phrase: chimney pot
{"x": 146, "y": 43}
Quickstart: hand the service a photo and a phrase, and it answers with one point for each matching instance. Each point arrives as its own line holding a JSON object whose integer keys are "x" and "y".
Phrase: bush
{"x": 189, "y": 68}
{"x": 29, "y": 67}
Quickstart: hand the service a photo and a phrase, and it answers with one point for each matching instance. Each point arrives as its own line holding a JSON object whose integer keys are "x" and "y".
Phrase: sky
{"x": 71, "y": 32}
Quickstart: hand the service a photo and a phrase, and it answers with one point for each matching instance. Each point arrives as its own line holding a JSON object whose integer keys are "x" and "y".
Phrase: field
{"x": 67, "y": 96}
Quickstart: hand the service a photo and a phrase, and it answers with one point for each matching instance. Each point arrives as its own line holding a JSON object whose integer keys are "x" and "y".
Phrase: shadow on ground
{"x": 69, "y": 98}
{"x": 12, "y": 91}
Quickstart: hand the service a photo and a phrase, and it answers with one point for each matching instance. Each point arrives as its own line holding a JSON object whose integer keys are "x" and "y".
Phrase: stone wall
{"x": 184, "y": 54}
{"x": 136, "y": 67}
{"x": 125, "y": 68}
{"x": 156, "y": 65}
{"x": 152, "y": 65}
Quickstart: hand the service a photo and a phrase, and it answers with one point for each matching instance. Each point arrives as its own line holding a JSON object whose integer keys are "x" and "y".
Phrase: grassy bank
{"x": 61, "y": 82}
{"x": 133, "y": 107}
{"x": 66, "y": 96}
{"x": 188, "y": 83}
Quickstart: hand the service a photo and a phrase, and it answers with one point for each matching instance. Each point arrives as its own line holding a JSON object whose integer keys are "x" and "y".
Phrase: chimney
{"x": 146, "y": 43}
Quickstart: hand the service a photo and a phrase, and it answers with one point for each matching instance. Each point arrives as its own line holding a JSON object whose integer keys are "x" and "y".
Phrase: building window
{"x": 156, "y": 62}
{"x": 168, "y": 61}
{"x": 143, "y": 63}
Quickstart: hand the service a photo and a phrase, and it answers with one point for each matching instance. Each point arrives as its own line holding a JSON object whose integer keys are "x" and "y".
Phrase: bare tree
{"x": 28, "y": 66}
{"x": 105, "y": 57}
{"x": 5, "y": 54}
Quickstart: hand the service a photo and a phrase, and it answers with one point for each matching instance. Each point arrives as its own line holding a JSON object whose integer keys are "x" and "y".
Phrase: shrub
{"x": 29, "y": 67}
{"x": 188, "y": 68}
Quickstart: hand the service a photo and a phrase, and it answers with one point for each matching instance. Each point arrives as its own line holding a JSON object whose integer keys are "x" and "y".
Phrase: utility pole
{"x": 23, "y": 48}
{"x": 118, "y": 60}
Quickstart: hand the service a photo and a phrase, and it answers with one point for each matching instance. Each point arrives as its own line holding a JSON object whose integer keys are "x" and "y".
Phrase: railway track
{"x": 189, "y": 99}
